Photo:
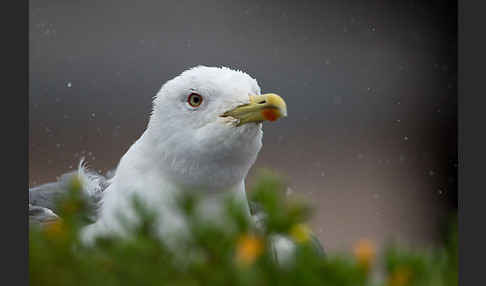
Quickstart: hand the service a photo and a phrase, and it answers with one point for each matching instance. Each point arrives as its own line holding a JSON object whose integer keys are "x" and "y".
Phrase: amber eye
{"x": 194, "y": 99}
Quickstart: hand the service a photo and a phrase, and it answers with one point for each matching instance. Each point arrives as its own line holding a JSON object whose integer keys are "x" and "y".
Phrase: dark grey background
{"x": 370, "y": 87}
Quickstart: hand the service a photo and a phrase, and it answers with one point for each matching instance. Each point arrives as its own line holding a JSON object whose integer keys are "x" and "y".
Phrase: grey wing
{"x": 47, "y": 195}
{"x": 43, "y": 199}
{"x": 41, "y": 215}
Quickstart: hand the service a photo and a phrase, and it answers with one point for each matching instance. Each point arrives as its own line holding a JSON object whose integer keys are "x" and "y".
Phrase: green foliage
{"x": 233, "y": 253}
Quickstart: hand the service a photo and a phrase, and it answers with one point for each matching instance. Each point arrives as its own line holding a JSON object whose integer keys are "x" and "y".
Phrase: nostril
{"x": 262, "y": 102}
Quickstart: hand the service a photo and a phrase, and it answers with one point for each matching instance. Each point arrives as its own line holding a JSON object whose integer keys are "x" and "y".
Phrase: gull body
{"x": 207, "y": 147}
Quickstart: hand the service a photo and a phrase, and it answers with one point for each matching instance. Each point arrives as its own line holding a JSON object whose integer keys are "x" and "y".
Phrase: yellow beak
{"x": 261, "y": 107}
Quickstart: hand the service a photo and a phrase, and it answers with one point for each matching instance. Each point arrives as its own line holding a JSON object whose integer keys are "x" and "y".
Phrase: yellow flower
{"x": 300, "y": 232}
{"x": 249, "y": 247}
{"x": 400, "y": 277}
{"x": 364, "y": 251}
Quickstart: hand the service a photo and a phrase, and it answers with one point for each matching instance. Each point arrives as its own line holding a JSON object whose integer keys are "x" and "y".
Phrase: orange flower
{"x": 249, "y": 247}
{"x": 364, "y": 251}
{"x": 300, "y": 232}
{"x": 400, "y": 277}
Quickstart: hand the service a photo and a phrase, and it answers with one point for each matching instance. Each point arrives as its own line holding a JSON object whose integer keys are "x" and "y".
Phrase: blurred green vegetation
{"x": 235, "y": 253}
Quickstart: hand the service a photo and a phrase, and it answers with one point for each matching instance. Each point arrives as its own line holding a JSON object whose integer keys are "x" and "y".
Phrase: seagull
{"x": 204, "y": 134}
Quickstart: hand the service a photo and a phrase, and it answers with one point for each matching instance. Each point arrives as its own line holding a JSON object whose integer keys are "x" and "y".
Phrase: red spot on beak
{"x": 270, "y": 114}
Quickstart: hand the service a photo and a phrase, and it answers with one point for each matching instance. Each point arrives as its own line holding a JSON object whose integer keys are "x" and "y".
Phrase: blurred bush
{"x": 235, "y": 253}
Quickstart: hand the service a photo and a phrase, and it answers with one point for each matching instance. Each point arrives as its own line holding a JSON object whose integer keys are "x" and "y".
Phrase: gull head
{"x": 206, "y": 126}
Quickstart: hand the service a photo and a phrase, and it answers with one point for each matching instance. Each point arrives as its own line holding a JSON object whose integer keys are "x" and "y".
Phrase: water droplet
{"x": 93, "y": 115}
{"x": 372, "y": 27}
{"x": 431, "y": 173}
{"x": 360, "y": 156}
{"x": 69, "y": 84}
{"x": 369, "y": 89}
{"x": 70, "y": 166}
{"x": 402, "y": 158}
{"x": 323, "y": 174}
{"x": 440, "y": 191}
{"x": 58, "y": 145}
{"x": 398, "y": 121}
{"x": 405, "y": 138}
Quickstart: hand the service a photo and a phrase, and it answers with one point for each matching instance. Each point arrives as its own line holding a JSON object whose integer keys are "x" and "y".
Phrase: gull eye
{"x": 194, "y": 99}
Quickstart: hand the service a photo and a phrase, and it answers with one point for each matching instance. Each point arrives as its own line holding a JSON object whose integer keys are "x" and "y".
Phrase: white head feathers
{"x": 200, "y": 148}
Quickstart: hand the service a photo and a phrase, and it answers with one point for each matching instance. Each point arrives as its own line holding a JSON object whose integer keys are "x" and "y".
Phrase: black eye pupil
{"x": 194, "y": 99}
